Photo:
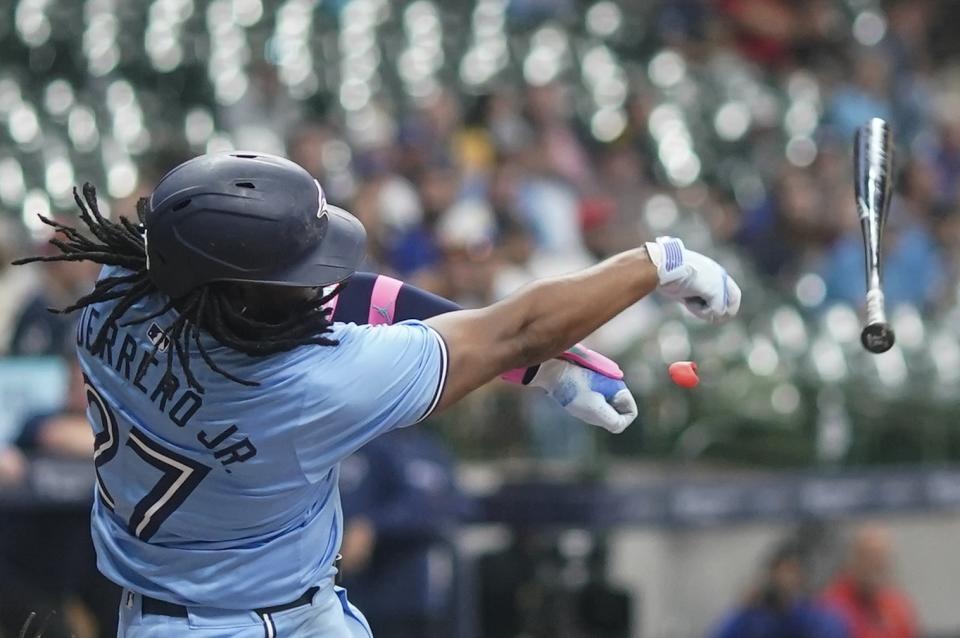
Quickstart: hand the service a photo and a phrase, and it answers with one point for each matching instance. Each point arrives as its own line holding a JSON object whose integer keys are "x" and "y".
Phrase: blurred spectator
{"x": 505, "y": 577}
{"x": 909, "y": 27}
{"x": 865, "y": 96}
{"x": 683, "y": 21}
{"x": 305, "y": 147}
{"x": 772, "y": 32}
{"x": 46, "y": 556}
{"x": 948, "y": 235}
{"x": 16, "y": 284}
{"x": 39, "y": 332}
{"x": 945, "y": 154}
{"x": 547, "y": 583}
{"x": 465, "y": 235}
{"x": 13, "y": 466}
{"x": 789, "y": 228}
{"x": 909, "y": 23}
{"x": 864, "y": 593}
{"x": 400, "y": 504}
{"x": 263, "y": 118}
{"x": 611, "y": 219}
{"x": 557, "y": 149}
{"x": 412, "y": 247}
{"x": 762, "y": 29}
{"x": 494, "y": 130}
{"x": 427, "y": 136}
{"x": 779, "y": 606}
{"x": 918, "y": 189}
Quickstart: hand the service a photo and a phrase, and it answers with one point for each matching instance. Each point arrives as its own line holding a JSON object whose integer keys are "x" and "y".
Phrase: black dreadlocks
{"x": 209, "y": 307}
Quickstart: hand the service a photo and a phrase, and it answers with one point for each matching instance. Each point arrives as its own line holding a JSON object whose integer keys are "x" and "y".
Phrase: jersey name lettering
{"x": 178, "y": 403}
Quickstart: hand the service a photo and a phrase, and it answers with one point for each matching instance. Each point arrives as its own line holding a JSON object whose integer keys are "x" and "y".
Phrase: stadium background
{"x": 485, "y": 143}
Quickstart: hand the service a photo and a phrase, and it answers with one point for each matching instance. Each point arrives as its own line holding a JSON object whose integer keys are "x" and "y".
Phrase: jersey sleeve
{"x": 376, "y": 379}
{"x": 365, "y": 299}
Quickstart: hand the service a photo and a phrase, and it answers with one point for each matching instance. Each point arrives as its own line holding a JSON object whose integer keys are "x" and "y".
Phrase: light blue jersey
{"x": 228, "y": 498}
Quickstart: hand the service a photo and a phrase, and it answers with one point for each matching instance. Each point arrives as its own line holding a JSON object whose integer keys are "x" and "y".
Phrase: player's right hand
{"x": 696, "y": 281}
{"x": 593, "y": 397}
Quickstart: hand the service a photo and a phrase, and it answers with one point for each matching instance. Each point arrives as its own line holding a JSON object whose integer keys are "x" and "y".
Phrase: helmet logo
{"x": 321, "y": 201}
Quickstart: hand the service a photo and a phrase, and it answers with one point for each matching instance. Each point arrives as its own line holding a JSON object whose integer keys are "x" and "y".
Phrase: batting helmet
{"x": 247, "y": 217}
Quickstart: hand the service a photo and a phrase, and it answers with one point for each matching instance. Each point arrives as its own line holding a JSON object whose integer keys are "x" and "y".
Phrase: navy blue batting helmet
{"x": 247, "y": 217}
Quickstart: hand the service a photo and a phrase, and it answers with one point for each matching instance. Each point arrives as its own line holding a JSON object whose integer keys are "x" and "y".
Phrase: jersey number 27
{"x": 179, "y": 475}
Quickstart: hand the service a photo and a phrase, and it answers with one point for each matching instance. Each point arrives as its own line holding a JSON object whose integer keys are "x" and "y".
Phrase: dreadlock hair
{"x": 209, "y": 307}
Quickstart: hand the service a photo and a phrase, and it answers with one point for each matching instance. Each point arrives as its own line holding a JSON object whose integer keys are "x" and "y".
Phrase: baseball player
{"x": 223, "y": 396}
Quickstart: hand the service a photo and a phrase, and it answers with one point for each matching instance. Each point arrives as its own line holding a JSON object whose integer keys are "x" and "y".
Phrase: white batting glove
{"x": 696, "y": 281}
{"x": 588, "y": 395}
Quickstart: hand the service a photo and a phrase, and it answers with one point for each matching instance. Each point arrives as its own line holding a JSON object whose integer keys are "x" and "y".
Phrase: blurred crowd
{"x": 860, "y": 600}
{"x": 484, "y": 144}
{"x": 738, "y": 112}
{"x": 727, "y": 122}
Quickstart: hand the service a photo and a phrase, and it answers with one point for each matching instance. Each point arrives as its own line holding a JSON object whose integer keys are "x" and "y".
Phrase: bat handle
{"x": 877, "y": 335}
{"x": 875, "y": 307}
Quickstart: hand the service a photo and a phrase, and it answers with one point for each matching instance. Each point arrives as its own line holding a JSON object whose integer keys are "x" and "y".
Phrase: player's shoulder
{"x": 366, "y": 352}
{"x": 367, "y": 338}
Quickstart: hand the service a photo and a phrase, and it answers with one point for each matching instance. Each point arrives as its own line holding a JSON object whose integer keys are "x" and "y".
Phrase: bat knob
{"x": 877, "y": 337}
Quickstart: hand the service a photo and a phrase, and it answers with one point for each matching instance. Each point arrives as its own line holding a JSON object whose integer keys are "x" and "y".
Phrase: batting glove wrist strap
{"x": 667, "y": 254}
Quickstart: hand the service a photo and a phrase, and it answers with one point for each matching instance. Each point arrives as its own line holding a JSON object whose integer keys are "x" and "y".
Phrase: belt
{"x": 163, "y": 608}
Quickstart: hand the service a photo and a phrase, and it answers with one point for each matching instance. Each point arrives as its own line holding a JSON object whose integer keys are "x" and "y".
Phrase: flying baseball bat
{"x": 873, "y": 165}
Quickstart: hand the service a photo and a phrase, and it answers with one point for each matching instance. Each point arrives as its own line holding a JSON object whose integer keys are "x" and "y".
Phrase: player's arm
{"x": 587, "y": 384}
{"x": 375, "y": 299}
{"x": 544, "y": 318}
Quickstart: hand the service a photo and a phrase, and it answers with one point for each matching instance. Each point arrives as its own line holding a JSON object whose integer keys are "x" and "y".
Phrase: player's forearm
{"x": 378, "y": 299}
{"x": 549, "y": 316}
{"x": 539, "y": 321}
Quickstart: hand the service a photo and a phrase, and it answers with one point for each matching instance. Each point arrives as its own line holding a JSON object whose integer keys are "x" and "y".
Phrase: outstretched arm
{"x": 379, "y": 299}
{"x": 586, "y": 384}
{"x": 544, "y": 318}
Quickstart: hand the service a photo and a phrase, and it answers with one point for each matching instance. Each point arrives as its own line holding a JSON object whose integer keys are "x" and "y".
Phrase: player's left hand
{"x": 591, "y": 396}
{"x": 695, "y": 280}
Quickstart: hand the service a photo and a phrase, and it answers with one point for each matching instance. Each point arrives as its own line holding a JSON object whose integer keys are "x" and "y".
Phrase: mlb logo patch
{"x": 158, "y": 337}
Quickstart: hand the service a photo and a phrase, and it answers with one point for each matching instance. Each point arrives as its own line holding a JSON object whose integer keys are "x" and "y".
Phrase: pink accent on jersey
{"x": 383, "y": 300}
